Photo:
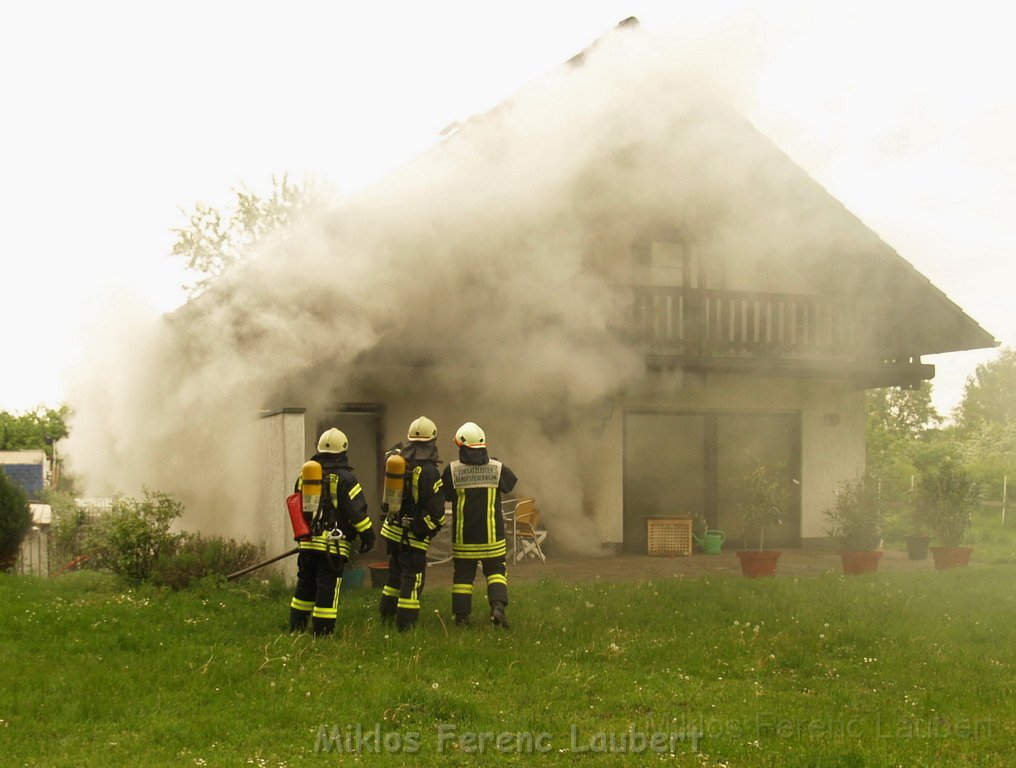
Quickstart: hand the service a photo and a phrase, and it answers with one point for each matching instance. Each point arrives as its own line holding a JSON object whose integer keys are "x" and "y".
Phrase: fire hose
{"x": 262, "y": 564}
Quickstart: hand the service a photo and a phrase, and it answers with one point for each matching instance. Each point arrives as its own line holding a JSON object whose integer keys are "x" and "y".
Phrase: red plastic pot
{"x": 951, "y": 557}
{"x": 755, "y": 564}
{"x": 857, "y": 561}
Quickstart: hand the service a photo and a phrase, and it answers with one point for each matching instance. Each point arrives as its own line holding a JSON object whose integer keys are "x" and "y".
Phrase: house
{"x": 27, "y": 469}
{"x": 629, "y": 287}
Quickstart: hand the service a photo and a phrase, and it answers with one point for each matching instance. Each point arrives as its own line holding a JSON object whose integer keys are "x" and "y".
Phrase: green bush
{"x": 15, "y": 520}
{"x": 945, "y": 499}
{"x": 856, "y": 516}
{"x": 194, "y": 557}
{"x": 67, "y": 530}
{"x": 130, "y": 538}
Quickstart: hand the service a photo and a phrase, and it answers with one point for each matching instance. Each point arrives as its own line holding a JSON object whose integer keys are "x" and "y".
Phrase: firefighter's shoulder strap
{"x": 476, "y": 475}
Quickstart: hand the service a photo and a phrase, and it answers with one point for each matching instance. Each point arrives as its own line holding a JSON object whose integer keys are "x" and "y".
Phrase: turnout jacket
{"x": 343, "y": 505}
{"x": 474, "y": 485}
{"x": 422, "y": 499}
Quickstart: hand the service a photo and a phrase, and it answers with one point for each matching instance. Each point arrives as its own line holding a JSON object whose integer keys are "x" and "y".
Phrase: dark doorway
{"x": 363, "y": 426}
{"x": 681, "y": 464}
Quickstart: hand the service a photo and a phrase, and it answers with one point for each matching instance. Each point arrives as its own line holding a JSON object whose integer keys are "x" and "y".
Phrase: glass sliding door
{"x": 664, "y": 470}
{"x": 677, "y": 464}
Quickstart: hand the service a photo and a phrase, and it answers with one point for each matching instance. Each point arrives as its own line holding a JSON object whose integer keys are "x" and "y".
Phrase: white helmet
{"x": 422, "y": 429}
{"x": 471, "y": 436}
{"x": 333, "y": 441}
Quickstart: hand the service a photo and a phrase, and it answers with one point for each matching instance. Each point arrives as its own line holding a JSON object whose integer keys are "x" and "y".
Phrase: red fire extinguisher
{"x": 303, "y": 504}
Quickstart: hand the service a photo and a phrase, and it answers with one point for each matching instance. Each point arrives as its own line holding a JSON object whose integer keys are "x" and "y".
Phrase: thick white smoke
{"x": 489, "y": 270}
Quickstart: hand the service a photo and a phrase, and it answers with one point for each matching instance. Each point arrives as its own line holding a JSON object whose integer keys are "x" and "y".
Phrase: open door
{"x": 362, "y": 425}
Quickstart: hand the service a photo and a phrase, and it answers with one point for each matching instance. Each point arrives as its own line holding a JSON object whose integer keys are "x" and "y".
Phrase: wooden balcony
{"x": 706, "y": 323}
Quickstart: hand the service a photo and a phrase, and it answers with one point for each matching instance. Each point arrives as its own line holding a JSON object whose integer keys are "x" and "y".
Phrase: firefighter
{"x": 474, "y": 485}
{"x": 409, "y": 531}
{"x": 341, "y": 517}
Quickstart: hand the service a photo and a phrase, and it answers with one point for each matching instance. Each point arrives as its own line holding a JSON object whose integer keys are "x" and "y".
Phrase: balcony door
{"x": 676, "y": 464}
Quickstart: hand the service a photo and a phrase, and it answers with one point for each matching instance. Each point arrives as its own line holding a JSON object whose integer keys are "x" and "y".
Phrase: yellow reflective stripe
{"x": 494, "y": 550}
{"x": 405, "y": 602}
{"x": 302, "y": 605}
{"x": 417, "y": 584}
{"x": 389, "y": 591}
{"x": 363, "y": 525}
{"x": 354, "y": 491}
{"x": 497, "y": 578}
{"x": 415, "y": 543}
{"x": 333, "y": 612}
{"x": 430, "y": 523}
{"x": 491, "y": 528}
{"x": 417, "y": 471}
{"x": 391, "y": 531}
{"x": 438, "y": 485}
{"x": 462, "y": 589}
{"x": 460, "y": 518}
{"x": 481, "y": 545}
{"x": 333, "y": 488}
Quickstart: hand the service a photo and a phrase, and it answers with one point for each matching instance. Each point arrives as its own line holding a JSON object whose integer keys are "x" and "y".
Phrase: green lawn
{"x": 910, "y": 669}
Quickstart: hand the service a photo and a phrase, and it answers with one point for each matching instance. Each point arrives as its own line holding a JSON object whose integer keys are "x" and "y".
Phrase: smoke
{"x": 487, "y": 273}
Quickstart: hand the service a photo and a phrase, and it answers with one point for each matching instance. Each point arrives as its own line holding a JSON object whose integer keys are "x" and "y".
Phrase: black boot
{"x": 298, "y": 620}
{"x": 497, "y": 615}
{"x": 323, "y": 626}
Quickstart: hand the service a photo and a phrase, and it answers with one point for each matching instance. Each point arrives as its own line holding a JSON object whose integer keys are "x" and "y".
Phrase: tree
{"x": 212, "y": 240}
{"x": 35, "y": 430}
{"x": 990, "y": 394}
{"x": 15, "y": 520}
{"x": 903, "y": 413}
{"x": 900, "y": 425}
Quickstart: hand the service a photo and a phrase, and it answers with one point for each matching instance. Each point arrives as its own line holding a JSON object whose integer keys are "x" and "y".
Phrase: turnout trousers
{"x": 464, "y": 573}
{"x": 318, "y": 582}
{"x": 400, "y": 597}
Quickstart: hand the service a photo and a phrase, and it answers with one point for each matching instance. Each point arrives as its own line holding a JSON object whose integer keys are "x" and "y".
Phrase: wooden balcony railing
{"x": 698, "y": 322}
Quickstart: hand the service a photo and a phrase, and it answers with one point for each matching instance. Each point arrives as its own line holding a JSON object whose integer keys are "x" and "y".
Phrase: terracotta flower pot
{"x": 857, "y": 561}
{"x": 951, "y": 557}
{"x": 755, "y": 564}
{"x": 378, "y": 574}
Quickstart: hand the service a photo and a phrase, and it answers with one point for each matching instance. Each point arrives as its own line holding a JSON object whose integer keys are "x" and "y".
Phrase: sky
{"x": 120, "y": 117}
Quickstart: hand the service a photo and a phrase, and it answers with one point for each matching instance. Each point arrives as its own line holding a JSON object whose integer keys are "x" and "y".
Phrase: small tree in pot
{"x": 945, "y": 498}
{"x": 766, "y": 499}
{"x": 856, "y": 521}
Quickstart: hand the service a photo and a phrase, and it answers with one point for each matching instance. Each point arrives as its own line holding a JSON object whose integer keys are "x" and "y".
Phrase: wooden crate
{"x": 668, "y": 536}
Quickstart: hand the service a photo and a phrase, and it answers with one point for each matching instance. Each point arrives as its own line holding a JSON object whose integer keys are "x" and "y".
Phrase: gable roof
{"x": 804, "y": 225}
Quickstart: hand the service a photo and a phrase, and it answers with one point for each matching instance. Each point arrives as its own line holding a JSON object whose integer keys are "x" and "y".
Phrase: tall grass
{"x": 896, "y": 669}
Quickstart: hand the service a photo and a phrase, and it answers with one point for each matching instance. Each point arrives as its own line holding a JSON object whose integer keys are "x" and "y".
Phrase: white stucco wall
{"x": 280, "y": 437}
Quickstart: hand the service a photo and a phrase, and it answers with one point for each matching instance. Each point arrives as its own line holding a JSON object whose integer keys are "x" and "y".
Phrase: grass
{"x": 892, "y": 669}
{"x": 992, "y": 541}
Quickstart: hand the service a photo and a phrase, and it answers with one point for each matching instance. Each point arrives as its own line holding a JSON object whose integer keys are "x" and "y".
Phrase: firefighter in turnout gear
{"x": 341, "y": 516}
{"x": 410, "y": 529}
{"x": 474, "y": 485}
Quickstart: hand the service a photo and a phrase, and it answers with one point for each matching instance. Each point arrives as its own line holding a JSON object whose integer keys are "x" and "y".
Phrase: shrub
{"x": 945, "y": 499}
{"x": 130, "y": 538}
{"x": 856, "y": 516}
{"x": 194, "y": 557}
{"x": 15, "y": 520}
{"x": 67, "y": 530}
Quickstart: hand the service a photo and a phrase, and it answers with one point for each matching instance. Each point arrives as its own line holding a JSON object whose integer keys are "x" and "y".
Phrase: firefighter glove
{"x": 366, "y": 541}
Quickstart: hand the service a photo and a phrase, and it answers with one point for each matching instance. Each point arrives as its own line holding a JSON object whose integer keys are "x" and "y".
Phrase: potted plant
{"x": 945, "y": 499}
{"x": 917, "y": 542}
{"x": 855, "y": 520}
{"x": 767, "y": 495}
